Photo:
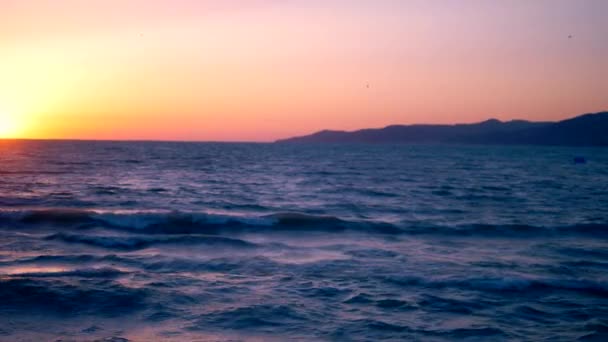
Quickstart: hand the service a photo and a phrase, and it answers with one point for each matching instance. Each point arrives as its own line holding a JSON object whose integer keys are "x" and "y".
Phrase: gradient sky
{"x": 263, "y": 69}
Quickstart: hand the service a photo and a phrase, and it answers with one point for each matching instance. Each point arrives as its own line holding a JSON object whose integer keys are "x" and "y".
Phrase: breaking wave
{"x": 129, "y": 243}
{"x": 173, "y": 222}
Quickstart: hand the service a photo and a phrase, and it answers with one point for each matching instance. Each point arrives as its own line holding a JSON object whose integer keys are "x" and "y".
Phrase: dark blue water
{"x": 195, "y": 242}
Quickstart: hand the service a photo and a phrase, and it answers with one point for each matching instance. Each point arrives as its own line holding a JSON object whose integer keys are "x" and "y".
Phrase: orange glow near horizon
{"x": 260, "y": 70}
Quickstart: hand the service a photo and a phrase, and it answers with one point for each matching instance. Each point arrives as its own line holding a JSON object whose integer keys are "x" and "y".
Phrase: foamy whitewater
{"x": 114, "y": 241}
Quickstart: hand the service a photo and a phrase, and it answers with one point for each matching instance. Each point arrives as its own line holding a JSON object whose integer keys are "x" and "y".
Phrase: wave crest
{"x": 171, "y": 222}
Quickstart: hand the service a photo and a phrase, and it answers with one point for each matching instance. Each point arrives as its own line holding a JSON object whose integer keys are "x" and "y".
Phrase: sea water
{"x": 146, "y": 241}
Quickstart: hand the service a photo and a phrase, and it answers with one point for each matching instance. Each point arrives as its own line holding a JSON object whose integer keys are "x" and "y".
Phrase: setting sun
{"x": 9, "y": 127}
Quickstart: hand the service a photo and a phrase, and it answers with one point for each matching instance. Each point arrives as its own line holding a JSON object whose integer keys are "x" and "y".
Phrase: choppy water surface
{"x": 194, "y": 242}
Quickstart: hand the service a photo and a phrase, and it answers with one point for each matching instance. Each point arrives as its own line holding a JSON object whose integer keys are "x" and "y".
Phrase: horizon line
{"x": 139, "y": 140}
{"x": 284, "y": 138}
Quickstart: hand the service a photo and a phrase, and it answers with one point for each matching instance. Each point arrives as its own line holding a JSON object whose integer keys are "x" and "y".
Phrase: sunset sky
{"x": 258, "y": 70}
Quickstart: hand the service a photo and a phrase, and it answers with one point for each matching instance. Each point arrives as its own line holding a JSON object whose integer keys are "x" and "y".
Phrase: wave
{"x": 596, "y": 230}
{"x": 78, "y": 259}
{"x": 105, "y": 272}
{"x": 507, "y": 284}
{"x": 104, "y": 297}
{"x": 251, "y": 317}
{"x": 173, "y": 222}
{"x": 130, "y": 243}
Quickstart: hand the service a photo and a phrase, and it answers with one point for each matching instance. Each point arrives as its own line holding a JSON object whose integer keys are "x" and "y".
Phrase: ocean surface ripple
{"x": 145, "y": 241}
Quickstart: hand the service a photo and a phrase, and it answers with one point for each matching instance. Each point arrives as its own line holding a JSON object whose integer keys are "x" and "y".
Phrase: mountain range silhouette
{"x": 584, "y": 130}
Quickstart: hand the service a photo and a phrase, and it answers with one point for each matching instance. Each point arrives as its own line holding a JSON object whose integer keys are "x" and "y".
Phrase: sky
{"x": 259, "y": 70}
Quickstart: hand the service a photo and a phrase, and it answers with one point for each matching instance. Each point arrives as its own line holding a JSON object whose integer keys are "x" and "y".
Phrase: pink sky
{"x": 262, "y": 69}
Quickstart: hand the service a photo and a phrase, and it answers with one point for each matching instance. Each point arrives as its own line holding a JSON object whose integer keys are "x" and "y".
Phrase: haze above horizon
{"x": 261, "y": 70}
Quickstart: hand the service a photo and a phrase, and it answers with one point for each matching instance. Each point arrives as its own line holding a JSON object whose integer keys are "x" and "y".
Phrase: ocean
{"x": 168, "y": 241}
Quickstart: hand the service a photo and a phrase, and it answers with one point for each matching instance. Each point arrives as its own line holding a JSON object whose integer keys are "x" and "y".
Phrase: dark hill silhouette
{"x": 584, "y": 130}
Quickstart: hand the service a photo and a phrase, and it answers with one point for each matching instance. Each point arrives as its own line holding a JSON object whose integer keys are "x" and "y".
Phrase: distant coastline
{"x": 583, "y": 130}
